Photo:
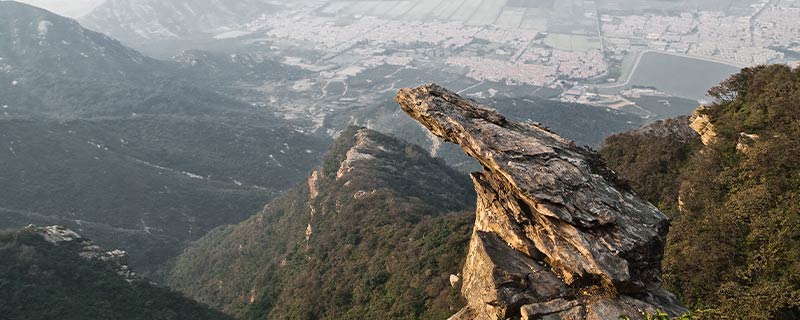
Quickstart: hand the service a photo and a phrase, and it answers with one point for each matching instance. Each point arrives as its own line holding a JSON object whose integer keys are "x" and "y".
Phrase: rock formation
{"x": 116, "y": 259}
{"x": 701, "y": 123}
{"x": 557, "y": 235}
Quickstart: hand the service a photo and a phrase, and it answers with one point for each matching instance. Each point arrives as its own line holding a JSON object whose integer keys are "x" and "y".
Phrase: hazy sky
{"x": 69, "y": 8}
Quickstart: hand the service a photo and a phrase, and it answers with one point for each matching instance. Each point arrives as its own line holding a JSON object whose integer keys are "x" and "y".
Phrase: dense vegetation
{"x": 40, "y": 280}
{"x": 733, "y": 246}
{"x": 651, "y": 158}
{"x": 380, "y": 241}
{"x": 135, "y": 153}
{"x": 127, "y": 182}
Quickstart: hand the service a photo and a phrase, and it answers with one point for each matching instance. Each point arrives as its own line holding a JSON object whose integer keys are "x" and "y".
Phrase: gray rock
{"x": 454, "y": 280}
{"x": 554, "y": 225}
{"x": 557, "y": 306}
{"x": 116, "y": 259}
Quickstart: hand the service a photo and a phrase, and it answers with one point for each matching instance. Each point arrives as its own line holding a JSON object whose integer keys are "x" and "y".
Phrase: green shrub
{"x": 732, "y": 249}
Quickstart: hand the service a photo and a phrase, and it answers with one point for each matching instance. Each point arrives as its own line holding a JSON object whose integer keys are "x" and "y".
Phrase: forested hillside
{"x": 374, "y": 234}
{"x": 733, "y": 247}
{"x": 135, "y": 153}
{"x": 53, "y": 273}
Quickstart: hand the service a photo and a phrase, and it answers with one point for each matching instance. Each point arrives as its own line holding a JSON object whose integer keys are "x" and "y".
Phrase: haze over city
{"x": 321, "y": 159}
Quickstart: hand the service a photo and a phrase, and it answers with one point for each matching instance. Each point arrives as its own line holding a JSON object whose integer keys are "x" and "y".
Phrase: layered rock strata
{"x": 701, "y": 123}
{"x": 557, "y": 235}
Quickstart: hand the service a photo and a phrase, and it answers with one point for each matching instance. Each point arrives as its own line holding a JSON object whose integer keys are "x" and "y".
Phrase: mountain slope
{"x": 237, "y": 69}
{"x": 732, "y": 251}
{"x": 145, "y": 185}
{"x": 51, "y": 66}
{"x": 67, "y": 8}
{"x": 134, "y": 152}
{"x": 651, "y": 158}
{"x": 48, "y": 273}
{"x": 375, "y": 233}
{"x": 34, "y": 38}
{"x": 136, "y": 20}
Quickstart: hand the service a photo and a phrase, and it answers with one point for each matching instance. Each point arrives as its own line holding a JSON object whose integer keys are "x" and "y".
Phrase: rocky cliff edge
{"x": 557, "y": 235}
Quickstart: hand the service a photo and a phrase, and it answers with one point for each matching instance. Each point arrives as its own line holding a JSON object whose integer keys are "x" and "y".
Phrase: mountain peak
{"x": 555, "y": 233}
{"x": 363, "y": 149}
{"x": 368, "y": 145}
{"x": 137, "y": 20}
{"x": 34, "y": 39}
{"x": 370, "y": 159}
{"x": 378, "y": 203}
{"x": 55, "y": 234}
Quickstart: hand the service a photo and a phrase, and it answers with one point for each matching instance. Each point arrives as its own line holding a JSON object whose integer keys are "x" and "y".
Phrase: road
{"x": 755, "y": 17}
{"x": 470, "y": 87}
{"x": 630, "y": 73}
{"x": 600, "y": 28}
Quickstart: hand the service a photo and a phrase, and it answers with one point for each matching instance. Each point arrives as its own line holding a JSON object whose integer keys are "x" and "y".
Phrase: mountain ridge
{"x": 356, "y": 241}
{"x": 140, "y": 20}
{"x": 106, "y": 139}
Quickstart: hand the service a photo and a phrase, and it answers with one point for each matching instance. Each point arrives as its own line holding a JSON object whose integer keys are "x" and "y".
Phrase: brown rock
{"x": 701, "y": 124}
{"x": 553, "y": 223}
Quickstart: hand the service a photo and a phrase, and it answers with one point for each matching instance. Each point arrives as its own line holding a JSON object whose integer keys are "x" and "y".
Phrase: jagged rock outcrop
{"x": 116, "y": 259}
{"x": 557, "y": 235}
{"x": 701, "y": 123}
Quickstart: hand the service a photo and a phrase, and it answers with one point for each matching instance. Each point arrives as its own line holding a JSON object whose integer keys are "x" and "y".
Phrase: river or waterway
{"x": 680, "y": 76}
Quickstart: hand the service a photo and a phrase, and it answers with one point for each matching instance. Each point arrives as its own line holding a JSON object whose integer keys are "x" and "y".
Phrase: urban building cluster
{"x": 537, "y": 57}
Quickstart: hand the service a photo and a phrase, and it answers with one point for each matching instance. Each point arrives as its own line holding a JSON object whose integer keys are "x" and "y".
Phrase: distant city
{"x": 646, "y": 57}
{"x": 589, "y": 51}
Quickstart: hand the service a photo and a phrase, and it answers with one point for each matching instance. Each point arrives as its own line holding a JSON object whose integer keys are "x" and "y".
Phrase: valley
{"x": 251, "y": 156}
{"x": 134, "y": 152}
{"x": 573, "y": 51}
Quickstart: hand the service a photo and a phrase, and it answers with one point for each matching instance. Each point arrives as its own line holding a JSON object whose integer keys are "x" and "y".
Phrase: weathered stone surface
{"x": 313, "y": 184}
{"x": 538, "y": 310}
{"x": 701, "y": 124}
{"x": 496, "y": 276}
{"x": 359, "y": 152}
{"x": 746, "y": 140}
{"x": 466, "y": 314}
{"x": 553, "y": 223}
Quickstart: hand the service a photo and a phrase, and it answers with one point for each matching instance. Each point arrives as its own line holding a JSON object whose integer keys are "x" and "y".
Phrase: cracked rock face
{"x": 701, "y": 124}
{"x": 557, "y": 235}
